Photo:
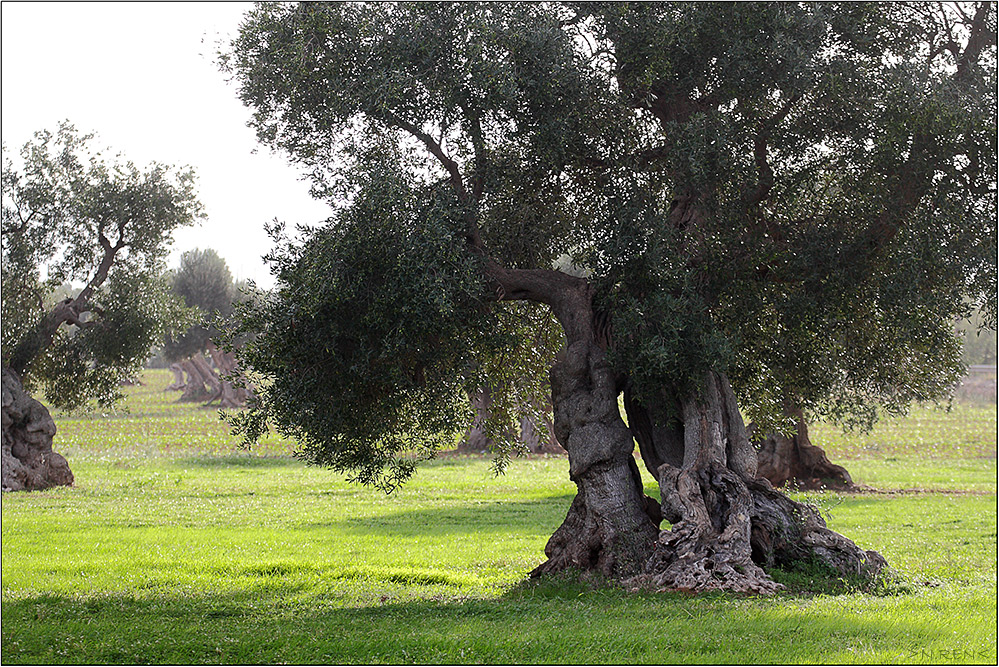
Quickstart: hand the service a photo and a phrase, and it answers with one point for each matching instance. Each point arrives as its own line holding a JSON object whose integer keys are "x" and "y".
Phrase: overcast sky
{"x": 142, "y": 76}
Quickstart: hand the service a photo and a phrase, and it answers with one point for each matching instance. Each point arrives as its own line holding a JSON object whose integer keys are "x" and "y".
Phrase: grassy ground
{"x": 962, "y": 430}
{"x": 173, "y": 547}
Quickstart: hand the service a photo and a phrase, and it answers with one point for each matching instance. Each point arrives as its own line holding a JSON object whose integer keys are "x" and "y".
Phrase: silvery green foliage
{"x": 372, "y": 332}
{"x": 74, "y": 215}
{"x": 800, "y": 195}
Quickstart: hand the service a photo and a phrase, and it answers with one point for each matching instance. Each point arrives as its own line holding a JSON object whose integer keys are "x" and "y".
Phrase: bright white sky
{"x": 142, "y": 76}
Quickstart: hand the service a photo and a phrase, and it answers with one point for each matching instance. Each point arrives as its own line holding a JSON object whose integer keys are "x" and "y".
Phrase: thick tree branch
{"x": 102, "y": 238}
{"x": 101, "y": 274}
{"x": 450, "y": 166}
{"x": 568, "y": 296}
{"x": 67, "y": 311}
{"x": 479, "y": 148}
{"x": 765, "y": 171}
{"x": 980, "y": 37}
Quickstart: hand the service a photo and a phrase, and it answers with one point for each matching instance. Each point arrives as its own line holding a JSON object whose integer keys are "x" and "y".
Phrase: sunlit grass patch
{"x": 193, "y": 559}
{"x": 210, "y": 554}
{"x": 965, "y": 430}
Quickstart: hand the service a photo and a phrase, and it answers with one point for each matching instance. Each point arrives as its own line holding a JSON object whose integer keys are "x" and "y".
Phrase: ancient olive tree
{"x": 73, "y": 215}
{"x": 749, "y": 196}
{"x": 205, "y": 284}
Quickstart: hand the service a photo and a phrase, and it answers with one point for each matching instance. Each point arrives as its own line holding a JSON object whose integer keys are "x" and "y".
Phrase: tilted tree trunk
{"x": 28, "y": 460}
{"x": 476, "y": 440}
{"x": 178, "y": 378}
{"x": 194, "y": 389}
{"x": 608, "y": 527}
{"x": 228, "y": 394}
{"x": 793, "y": 459}
{"x": 207, "y": 372}
{"x": 29, "y": 464}
{"x": 538, "y": 438}
{"x": 727, "y": 523}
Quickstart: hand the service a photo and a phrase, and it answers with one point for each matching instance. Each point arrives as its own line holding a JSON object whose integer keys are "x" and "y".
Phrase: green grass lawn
{"x": 176, "y": 547}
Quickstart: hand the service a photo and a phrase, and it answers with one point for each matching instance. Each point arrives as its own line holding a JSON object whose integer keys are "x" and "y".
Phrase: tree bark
{"x": 228, "y": 394}
{"x": 611, "y": 526}
{"x": 793, "y": 459}
{"x": 657, "y": 429}
{"x": 727, "y": 524}
{"x": 607, "y": 528}
{"x": 67, "y": 311}
{"x": 29, "y": 464}
{"x": 194, "y": 389}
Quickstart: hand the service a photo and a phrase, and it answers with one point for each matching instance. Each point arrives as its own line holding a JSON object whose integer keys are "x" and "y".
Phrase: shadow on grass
{"x": 551, "y": 621}
{"x": 237, "y": 460}
{"x": 541, "y": 514}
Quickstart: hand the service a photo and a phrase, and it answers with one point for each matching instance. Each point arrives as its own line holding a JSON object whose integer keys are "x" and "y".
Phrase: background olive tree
{"x": 205, "y": 284}
{"x": 100, "y": 226}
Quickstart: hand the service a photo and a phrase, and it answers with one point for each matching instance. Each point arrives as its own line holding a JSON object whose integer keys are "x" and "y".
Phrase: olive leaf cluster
{"x": 368, "y": 343}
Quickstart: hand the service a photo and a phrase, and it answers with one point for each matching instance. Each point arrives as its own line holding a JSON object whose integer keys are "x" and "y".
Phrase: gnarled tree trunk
{"x": 194, "y": 388}
{"x": 229, "y": 395}
{"x": 793, "y": 459}
{"x": 29, "y": 464}
{"x": 608, "y": 527}
{"x": 727, "y": 523}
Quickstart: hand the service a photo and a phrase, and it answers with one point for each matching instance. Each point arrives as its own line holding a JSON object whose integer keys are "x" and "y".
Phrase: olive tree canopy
{"x": 72, "y": 215}
{"x": 719, "y": 203}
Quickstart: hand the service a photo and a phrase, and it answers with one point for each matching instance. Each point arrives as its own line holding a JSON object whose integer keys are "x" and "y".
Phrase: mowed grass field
{"x": 174, "y": 546}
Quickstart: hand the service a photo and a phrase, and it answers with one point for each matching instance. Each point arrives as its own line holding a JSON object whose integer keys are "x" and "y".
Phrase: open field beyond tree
{"x": 174, "y": 546}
